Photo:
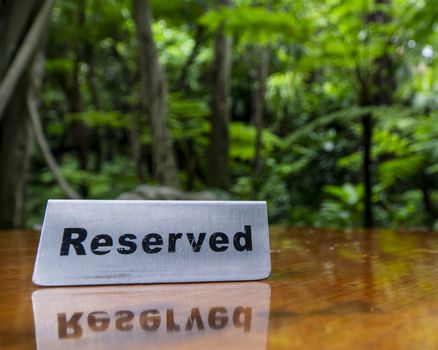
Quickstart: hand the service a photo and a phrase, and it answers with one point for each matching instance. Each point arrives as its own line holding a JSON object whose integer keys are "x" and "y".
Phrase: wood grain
{"x": 328, "y": 289}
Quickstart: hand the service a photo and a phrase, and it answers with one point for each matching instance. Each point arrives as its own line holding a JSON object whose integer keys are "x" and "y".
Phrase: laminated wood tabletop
{"x": 328, "y": 290}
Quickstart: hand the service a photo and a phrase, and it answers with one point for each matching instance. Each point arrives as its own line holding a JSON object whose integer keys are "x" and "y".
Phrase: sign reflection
{"x": 220, "y": 315}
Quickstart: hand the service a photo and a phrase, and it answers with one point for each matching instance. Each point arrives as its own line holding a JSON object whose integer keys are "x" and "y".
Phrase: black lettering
{"x": 123, "y": 320}
{"x": 246, "y": 312}
{"x": 217, "y": 321}
{"x": 219, "y": 238}
{"x": 195, "y": 316}
{"x": 246, "y": 236}
{"x": 170, "y": 323}
{"x": 98, "y": 324}
{"x": 69, "y": 329}
{"x": 125, "y": 241}
{"x": 196, "y": 245}
{"x": 153, "y": 242}
{"x": 152, "y": 239}
{"x": 173, "y": 237}
{"x": 150, "y": 320}
{"x": 101, "y": 241}
{"x": 76, "y": 242}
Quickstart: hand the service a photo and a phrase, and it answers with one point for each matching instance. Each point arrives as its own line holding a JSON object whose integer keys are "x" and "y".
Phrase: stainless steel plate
{"x": 120, "y": 242}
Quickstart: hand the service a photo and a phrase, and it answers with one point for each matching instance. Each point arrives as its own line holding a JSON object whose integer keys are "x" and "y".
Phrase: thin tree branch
{"x": 24, "y": 55}
{"x": 45, "y": 149}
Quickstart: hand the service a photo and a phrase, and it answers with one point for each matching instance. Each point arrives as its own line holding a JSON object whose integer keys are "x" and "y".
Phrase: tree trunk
{"x": 79, "y": 129}
{"x": 220, "y": 114}
{"x": 21, "y": 25}
{"x": 258, "y": 106}
{"x": 99, "y": 135}
{"x": 367, "y": 136}
{"x": 135, "y": 138}
{"x": 377, "y": 91}
{"x": 153, "y": 95}
{"x": 183, "y": 78}
{"x": 428, "y": 204}
{"x": 15, "y": 140}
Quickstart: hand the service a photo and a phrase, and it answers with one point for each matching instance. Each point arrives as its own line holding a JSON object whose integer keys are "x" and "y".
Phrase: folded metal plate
{"x": 192, "y": 316}
{"x": 94, "y": 242}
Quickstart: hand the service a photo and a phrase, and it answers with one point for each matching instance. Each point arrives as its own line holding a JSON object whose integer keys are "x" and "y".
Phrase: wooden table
{"x": 328, "y": 290}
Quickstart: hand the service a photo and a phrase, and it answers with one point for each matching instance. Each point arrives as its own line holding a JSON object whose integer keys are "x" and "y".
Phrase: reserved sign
{"x": 119, "y": 242}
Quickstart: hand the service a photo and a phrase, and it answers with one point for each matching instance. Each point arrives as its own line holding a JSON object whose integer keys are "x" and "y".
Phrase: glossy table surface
{"x": 328, "y": 290}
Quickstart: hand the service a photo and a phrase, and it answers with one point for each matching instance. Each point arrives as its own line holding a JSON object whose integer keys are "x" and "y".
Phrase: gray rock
{"x": 130, "y": 196}
{"x": 147, "y": 192}
{"x": 201, "y": 196}
{"x": 158, "y": 192}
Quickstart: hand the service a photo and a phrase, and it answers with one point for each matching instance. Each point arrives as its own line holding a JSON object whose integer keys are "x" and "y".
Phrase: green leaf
{"x": 256, "y": 24}
{"x": 397, "y": 169}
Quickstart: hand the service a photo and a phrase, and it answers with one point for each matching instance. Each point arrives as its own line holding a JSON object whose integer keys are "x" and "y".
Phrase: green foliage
{"x": 327, "y": 63}
{"x": 243, "y": 137}
{"x": 179, "y": 12}
{"x": 255, "y": 24}
{"x": 94, "y": 119}
{"x": 189, "y": 119}
{"x": 273, "y": 190}
{"x": 394, "y": 170}
{"x": 343, "y": 207}
{"x": 115, "y": 178}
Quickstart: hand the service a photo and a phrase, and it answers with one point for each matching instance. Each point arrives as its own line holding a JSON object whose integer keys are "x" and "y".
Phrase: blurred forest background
{"x": 328, "y": 110}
